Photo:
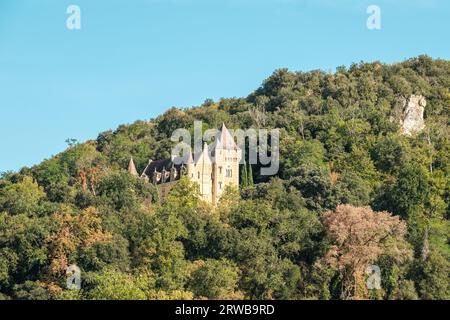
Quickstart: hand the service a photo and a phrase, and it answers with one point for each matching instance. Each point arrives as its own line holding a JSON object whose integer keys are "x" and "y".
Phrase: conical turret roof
{"x": 225, "y": 140}
{"x": 132, "y": 168}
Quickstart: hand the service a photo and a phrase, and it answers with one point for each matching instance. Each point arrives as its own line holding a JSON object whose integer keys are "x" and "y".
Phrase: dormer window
{"x": 165, "y": 175}
{"x": 156, "y": 177}
{"x": 173, "y": 174}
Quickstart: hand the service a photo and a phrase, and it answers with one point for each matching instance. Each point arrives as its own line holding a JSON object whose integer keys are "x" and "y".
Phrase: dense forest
{"x": 352, "y": 191}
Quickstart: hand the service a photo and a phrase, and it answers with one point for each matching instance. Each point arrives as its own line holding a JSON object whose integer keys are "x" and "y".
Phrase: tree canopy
{"x": 351, "y": 191}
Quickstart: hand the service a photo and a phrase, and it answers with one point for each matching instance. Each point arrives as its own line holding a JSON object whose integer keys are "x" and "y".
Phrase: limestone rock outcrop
{"x": 412, "y": 118}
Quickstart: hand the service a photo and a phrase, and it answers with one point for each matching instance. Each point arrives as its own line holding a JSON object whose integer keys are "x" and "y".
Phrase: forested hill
{"x": 352, "y": 191}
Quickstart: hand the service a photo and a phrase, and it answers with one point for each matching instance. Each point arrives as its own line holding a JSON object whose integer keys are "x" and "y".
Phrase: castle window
{"x": 220, "y": 170}
{"x": 229, "y": 173}
{"x": 220, "y": 185}
{"x": 198, "y": 175}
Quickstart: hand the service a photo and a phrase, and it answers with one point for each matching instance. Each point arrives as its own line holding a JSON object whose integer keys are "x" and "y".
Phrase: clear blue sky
{"x": 133, "y": 59}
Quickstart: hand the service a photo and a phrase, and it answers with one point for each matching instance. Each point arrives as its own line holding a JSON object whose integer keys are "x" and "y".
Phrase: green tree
{"x": 250, "y": 176}
{"x": 114, "y": 285}
{"x": 432, "y": 277}
{"x": 244, "y": 176}
{"x": 215, "y": 279}
{"x": 23, "y": 197}
{"x": 411, "y": 191}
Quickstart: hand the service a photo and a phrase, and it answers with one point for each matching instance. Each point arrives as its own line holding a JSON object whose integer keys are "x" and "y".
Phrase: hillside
{"x": 343, "y": 157}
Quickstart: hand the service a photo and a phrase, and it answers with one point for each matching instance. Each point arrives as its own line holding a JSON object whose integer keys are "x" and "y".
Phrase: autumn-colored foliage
{"x": 72, "y": 231}
{"x": 359, "y": 236}
{"x": 351, "y": 191}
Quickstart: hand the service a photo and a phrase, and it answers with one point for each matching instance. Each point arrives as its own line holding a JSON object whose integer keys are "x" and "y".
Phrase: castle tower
{"x": 227, "y": 156}
{"x": 200, "y": 171}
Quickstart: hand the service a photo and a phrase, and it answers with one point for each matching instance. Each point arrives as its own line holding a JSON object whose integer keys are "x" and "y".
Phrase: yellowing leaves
{"x": 71, "y": 232}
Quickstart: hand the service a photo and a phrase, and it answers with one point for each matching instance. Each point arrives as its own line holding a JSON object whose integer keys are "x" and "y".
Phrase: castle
{"x": 213, "y": 169}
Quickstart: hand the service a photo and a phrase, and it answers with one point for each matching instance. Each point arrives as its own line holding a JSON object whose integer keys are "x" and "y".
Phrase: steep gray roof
{"x": 166, "y": 164}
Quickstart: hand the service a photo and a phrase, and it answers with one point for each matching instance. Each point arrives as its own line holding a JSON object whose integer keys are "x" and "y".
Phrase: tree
{"x": 215, "y": 279}
{"x": 244, "y": 176}
{"x": 114, "y": 285}
{"x": 432, "y": 277}
{"x": 31, "y": 290}
{"x": 23, "y": 197}
{"x": 316, "y": 187}
{"x": 286, "y": 237}
{"x": 23, "y": 249}
{"x": 170, "y": 295}
{"x": 122, "y": 190}
{"x": 160, "y": 247}
{"x": 411, "y": 191}
{"x": 264, "y": 274}
{"x": 250, "y": 176}
{"x": 359, "y": 236}
{"x": 300, "y": 153}
{"x": 72, "y": 232}
{"x": 53, "y": 177}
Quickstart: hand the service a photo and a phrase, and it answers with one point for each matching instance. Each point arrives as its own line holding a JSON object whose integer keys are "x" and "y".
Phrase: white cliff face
{"x": 412, "y": 118}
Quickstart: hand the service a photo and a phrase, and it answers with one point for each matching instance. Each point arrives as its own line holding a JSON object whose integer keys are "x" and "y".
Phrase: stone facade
{"x": 215, "y": 168}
